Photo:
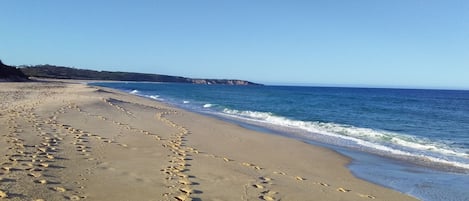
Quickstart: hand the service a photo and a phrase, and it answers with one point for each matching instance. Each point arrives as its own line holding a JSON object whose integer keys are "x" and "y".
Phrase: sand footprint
{"x": 7, "y": 168}
{"x": 258, "y": 186}
{"x": 73, "y": 197}
{"x": 323, "y": 184}
{"x": 265, "y": 180}
{"x": 252, "y": 166}
{"x": 267, "y": 197}
{"x": 183, "y": 198}
{"x": 3, "y": 194}
{"x": 300, "y": 178}
{"x": 34, "y": 174}
{"x": 44, "y": 165}
{"x": 184, "y": 181}
{"x": 59, "y": 189}
{"x": 267, "y": 194}
{"x": 343, "y": 190}
{"x": 41, "y": 181}
{"x": 366, "y": 196}
{"x": 280, "y": 173}
{"x": 186, "y": 190}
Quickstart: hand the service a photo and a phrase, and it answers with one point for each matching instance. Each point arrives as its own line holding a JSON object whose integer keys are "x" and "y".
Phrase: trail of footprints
{"x": 178, "y": 180}
{"x": 35, "y": 160}
{"x": 38, "y": 160}
{"x": 263, "y": 184}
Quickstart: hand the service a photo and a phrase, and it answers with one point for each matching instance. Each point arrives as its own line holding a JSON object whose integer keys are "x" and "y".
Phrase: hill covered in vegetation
{"x": 10, "y": 73}
{"x": 61, "y": 72}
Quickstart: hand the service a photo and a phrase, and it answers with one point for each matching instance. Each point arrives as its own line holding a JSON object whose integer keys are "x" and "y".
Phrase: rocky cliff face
{"x": 222, "y": 81}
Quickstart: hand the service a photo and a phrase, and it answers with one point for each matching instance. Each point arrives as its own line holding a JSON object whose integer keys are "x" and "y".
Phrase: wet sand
{"x": 64, "y": 141}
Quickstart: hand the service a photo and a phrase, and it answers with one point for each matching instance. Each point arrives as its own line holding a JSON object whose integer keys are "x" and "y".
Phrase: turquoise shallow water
{"x": 415, "y": 141}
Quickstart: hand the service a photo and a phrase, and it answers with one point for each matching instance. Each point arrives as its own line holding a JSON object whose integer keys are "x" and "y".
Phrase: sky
{"x": 398, "y": 43}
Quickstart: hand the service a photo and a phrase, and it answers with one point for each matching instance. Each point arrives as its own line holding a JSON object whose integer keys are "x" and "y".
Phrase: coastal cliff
{"x": 10, "y": 73}
{"x": 60, "y": 72}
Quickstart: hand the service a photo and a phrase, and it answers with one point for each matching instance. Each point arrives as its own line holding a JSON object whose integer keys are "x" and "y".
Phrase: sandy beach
{"x": 66, "y": 141}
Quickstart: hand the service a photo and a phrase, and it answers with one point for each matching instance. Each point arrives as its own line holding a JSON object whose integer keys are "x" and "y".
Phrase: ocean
{"x": 411, "y": 140}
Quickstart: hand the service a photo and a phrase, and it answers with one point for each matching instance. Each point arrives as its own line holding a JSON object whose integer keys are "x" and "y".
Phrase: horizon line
{"x": 364, "y": 86}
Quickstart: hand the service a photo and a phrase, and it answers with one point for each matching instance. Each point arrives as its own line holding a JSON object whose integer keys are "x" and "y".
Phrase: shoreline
{"x": 117, "y": 146}
{"x": 387, "y": 171}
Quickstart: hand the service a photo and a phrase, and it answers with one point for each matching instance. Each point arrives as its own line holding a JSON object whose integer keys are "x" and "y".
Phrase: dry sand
{"x": 73, "y": 142}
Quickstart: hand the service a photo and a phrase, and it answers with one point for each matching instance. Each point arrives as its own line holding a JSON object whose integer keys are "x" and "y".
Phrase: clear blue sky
{"x": 420, "y": 43}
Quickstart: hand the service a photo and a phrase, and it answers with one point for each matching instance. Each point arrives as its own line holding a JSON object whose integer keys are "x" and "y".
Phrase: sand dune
{"x": 63, "y": 141}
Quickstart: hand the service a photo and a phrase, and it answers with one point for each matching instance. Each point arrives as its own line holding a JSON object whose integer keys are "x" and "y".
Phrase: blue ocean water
{"x": 415, "y": 141}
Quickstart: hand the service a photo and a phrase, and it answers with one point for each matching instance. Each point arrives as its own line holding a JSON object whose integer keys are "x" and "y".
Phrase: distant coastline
{"x": 61, "y": 72}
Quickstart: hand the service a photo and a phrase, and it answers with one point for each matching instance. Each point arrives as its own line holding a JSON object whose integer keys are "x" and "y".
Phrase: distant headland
{"x": 11, "y": 74}
{"x": 61, "y": 72}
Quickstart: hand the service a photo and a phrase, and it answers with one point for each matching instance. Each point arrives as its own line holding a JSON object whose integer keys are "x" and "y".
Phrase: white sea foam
{"x": 186, "y": 102}
{"x": 383, "y": 141}
{"x": 156, "y": 97}
{"x": 208, "y": 105}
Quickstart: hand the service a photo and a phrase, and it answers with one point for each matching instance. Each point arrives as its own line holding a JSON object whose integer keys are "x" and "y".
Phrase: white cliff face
{"x": 222, "y": 81}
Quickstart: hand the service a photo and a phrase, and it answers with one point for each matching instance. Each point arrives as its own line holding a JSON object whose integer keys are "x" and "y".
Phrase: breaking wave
{"x": 379, "y": 140}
